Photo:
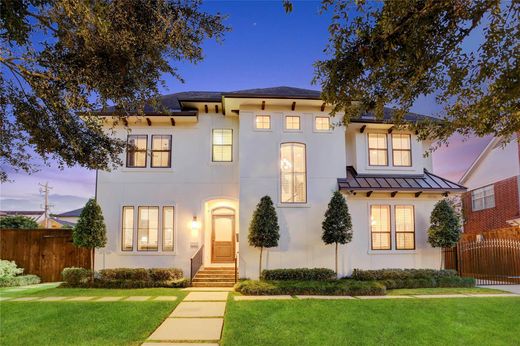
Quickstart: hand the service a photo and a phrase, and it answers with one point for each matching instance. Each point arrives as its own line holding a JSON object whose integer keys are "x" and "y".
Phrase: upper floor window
{"x": 293, "y": 173}
{"x": 380, "y": 227}
{"x": 483, "y": 198}
{"x": 322, "y": 123}
{"x": 292, "y": 122}
{"x": 222, "y": 145}
{"x": 377, "y": 149}
{"x": 161, "y": 151}
{"x": 404, "y": 227}
{"x": 148, "y": 228}
{"x": 263, "y": 122}
{"x": 136, "y": 151}
{"x": 401, "y": 150}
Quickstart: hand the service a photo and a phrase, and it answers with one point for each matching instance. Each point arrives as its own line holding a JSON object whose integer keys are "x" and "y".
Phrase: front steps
{"x": 214, "y": 277}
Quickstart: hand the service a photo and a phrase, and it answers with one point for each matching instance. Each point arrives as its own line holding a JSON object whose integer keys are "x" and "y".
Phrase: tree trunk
{"x": 92, "y": 265}
{"x": 336, "y": 260}
{"x": 260, "y": 264}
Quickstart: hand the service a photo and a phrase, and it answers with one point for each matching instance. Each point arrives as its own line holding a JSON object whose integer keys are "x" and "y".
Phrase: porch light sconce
{"x": 195, "y": 226}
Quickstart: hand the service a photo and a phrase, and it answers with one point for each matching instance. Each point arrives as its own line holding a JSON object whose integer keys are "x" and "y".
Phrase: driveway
{"x": 510, "y": 288}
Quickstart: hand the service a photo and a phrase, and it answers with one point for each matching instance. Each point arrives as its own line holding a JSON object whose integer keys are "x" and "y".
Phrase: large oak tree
{"x": 62, "y": 58}
{"x": 465, "y": 52}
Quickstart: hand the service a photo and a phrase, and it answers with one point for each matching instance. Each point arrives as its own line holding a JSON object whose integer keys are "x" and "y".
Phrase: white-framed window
{"x": 263, "y": 122}
{"x": 483, "y": 198}
{"x": 292, "y": 122}
{"x": 322, "y": 124}
{"x": 127, "y": 241}
{"x": 136, "y": 151}
{"x": 404, "y": 227}
{"x": 167, "y": 229}
{"x": 380, "y": 227}
{"x": 148, "y": 228}
{"x": 161, "y": 151}
{"x": 222, "y": 145}
{"x": 377, "y": 149}
{"x": 293, "y": 173}
{"x": 402, "y": 149}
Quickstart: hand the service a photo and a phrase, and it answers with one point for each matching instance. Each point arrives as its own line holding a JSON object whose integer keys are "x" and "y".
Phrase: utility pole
{"x": 44, "y": 188}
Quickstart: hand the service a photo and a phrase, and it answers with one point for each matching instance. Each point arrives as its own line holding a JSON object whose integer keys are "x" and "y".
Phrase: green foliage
{"x": 125, "y": 278}
{"x": 445, "y": 225}
{"x": 302, "y": 274}
{"x": 394, "y": 52}
{"x": 21, "y": 280}
{"x": 75, "y": 277}
{"x": 9, "y": 269}
{"x": 90, "y": 231}
{"x": 401, "y": 274}
{"x": 333, "y": 287}
{"x": 263, "y": 229}
{"x": 88, "y": 54}
{"x": 337, "y": 226}
{"x": 17, "y": 222}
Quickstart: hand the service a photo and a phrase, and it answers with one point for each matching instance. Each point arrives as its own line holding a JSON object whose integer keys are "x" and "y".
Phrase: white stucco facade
{"x": 197, "y": 187}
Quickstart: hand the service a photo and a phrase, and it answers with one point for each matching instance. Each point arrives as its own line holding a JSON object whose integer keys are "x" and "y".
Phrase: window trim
{"x": 322, "y": 117}
{"x": 299, "y": 129}
{"x": 221, "y": 145}
{"x": 133, "y": 151}
{"x": 401, "y": 150}
{"x": 483, "y": 198}
{"x": 123, "y": 227}
{"x": 158, "y": 227}
{"x": 395, "y": 227}
{"x": 259, "y": 128}
{"x": 163, "y": 228}
{"x": 161, "y": 151}
{"x": 389, "y": 224}
{"x": 281, "y": 173}
{"x": 369, "y": 148}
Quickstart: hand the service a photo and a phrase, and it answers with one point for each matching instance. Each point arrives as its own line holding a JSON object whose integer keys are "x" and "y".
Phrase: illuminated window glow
{"x": 377, "y": 149}
{"x": 322, "y": 124}
{"x": 292, "y": 122}
{"x": 263, "y": 122}
{"x": 167, "y": 229}
{"x": 128, "y": 229}
{"x": 148, "y": 228}
{"x": 404, "y": 227}
{"x": 136, "y": 151}
{"x": 222, "y": 148}
{"x": 380, "y": 227}
{"x": 161, "y": 151}
{"x": 401, "y": 150}
{"x": 293, "y": 173}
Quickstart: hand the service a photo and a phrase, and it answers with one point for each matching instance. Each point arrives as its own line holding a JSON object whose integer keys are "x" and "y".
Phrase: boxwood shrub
{"x": 401, "y": 274}
{"x": 76, "y": 276}
{"x": 21, "y": 280}
{"x": 311, "y": 274}
{"x": 336, "y": 287}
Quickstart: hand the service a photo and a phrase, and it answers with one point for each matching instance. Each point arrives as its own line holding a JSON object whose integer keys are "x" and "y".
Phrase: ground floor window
{"x": 383, "y": 223}
{"x": 151, "y": 230}
{"x": 128, "y": 229}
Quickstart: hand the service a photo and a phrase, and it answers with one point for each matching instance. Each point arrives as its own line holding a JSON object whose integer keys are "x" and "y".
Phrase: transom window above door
{"x": 292, "y": 122}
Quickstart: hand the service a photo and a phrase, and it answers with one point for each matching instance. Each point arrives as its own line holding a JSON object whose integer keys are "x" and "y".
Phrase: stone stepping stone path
{"x": 199, "y": 317}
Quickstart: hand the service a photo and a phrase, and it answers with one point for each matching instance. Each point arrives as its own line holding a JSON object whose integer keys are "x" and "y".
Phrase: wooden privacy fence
{"x": 43, "y": 252}
{"x": 490, "y": 261}
{"x": 499, "y": 233}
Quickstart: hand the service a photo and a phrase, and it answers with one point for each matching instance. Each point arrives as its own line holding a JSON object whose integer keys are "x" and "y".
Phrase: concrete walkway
{"x": 509, "y": 288}
{"x": 198, "y": 318}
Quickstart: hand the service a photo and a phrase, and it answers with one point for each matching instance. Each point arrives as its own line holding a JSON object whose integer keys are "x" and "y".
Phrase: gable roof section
{"x": 491, "y": 145}
{"x": 427, "y": 182}
{"x": 72, "y": 213}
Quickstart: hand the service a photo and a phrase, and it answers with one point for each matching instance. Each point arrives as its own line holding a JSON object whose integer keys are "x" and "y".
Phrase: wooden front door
{"x": 223, "y": 238}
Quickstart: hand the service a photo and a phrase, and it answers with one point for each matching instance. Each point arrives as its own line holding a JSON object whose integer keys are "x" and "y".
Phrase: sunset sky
{"x": 265, "y": 48}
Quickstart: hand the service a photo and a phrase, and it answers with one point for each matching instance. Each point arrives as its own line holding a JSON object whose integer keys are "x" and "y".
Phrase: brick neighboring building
{"x": 493, "y": 181}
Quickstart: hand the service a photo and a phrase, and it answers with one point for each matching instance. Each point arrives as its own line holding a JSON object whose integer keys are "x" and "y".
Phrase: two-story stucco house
{"x": 195, "y": 175}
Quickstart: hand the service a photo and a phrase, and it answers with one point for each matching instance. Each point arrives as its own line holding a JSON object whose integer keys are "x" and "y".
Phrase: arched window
{"x": 293, "y": 173}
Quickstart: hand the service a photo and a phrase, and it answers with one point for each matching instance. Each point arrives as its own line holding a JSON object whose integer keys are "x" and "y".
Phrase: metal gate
{"x": 489, "y": 261}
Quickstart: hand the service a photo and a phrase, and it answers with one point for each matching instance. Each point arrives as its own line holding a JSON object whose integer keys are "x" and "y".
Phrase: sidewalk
{"x": 198, "y": 318}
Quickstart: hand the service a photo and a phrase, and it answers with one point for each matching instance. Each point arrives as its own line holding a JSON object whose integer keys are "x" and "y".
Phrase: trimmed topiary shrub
{"x": 76, "y": 276}
{"x": 314, "y": 274}
{"x": 456, "y": 281}
{"x": 165, "y": 274}
{"x": 135, "y": 274}
{"x": 21, "y": 280}
{"x": 401, "y": 274}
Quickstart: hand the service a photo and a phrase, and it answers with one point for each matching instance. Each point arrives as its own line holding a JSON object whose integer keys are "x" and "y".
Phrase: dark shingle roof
{"x": 277, "y": 92}
{"x": 427, "y": 182}
{"x": 72, "y": 213}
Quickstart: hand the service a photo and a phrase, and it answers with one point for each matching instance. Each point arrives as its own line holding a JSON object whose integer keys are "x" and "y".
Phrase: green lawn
{"x": 82, "y": 323}
{"x": 443, "y": 290}
{"x": 483, "y": 321}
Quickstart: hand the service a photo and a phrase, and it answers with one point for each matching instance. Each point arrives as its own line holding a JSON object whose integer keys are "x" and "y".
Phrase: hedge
{"x": 313, "y": 274}
{"x": 401, "y": 274}
{"x": 337, "y": 287}
{"x": 21, "y": 280}
{"x": 125, "y": 278}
